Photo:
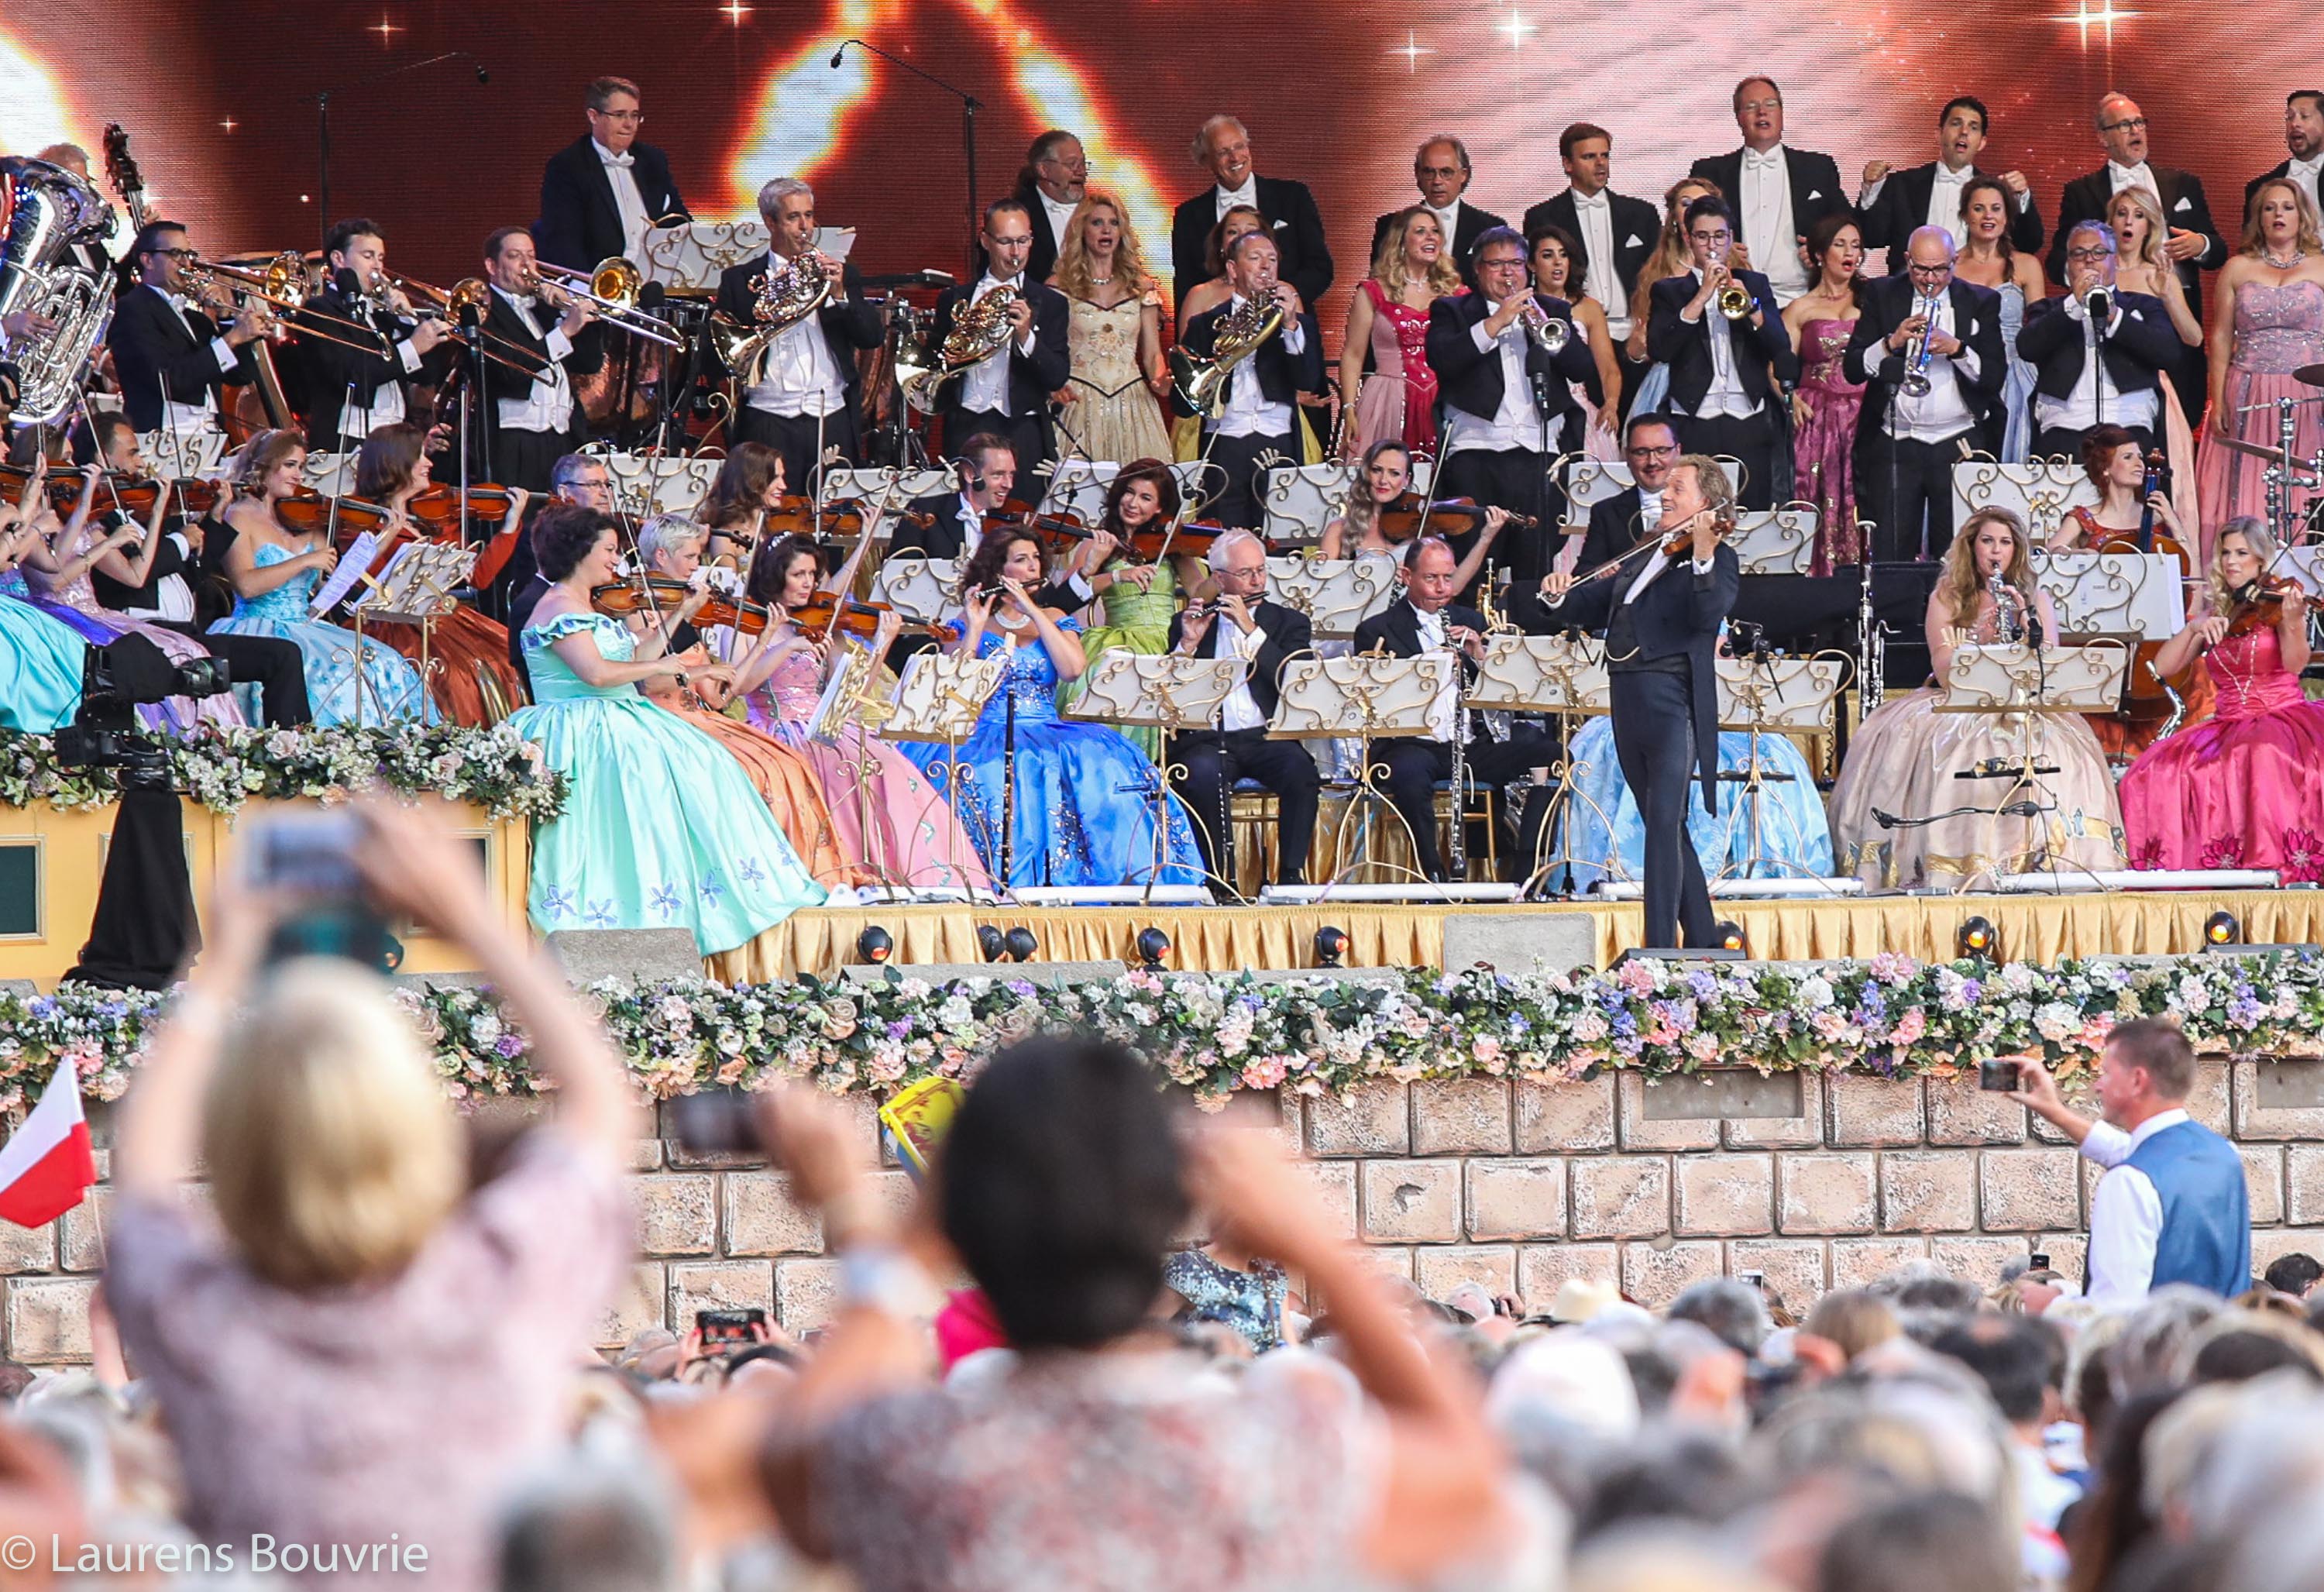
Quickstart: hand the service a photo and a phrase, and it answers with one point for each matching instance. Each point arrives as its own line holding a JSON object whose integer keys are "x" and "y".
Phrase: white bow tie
{"x": 2138, "y": 174}
{"x": 624, "y": 159}
{"x": 1595, "y": 201}
{"x": 1763, "y": 160}
{"x": 2308, "y": 167}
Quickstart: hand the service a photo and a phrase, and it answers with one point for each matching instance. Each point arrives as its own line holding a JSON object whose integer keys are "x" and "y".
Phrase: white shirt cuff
{"x": 1078, "y": 584}
{"x": 2108, "y": 1145}
{"x": 406, "y": 355}
{"x": 1965, "y": 362}
{"x": 560, "y": 346}
{"x": 1025, "y": 345}
{"x": 1702, "y": 566}
{"x": 2026, "y": 200}
{"x": 1863, "y": 200}
{"x": 222, "y": 351}
{"x": 1246, "y": 643}
{"x": 1294, "y": 337}
{"x": 185, "y": 547}
{"x": 1484, "y": 340}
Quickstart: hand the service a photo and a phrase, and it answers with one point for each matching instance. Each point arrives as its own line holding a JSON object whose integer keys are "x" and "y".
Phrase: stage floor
{"x": 2031, "y": 928}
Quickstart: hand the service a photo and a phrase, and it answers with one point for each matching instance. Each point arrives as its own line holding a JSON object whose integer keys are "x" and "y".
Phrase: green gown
{"x": 661, "y": 828}
{"x": 1139, "y": 621}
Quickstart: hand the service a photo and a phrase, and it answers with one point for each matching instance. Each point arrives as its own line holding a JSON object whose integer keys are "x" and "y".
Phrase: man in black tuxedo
{"x": 1508, "y": 407}
{"x": 1724, "y": 398}
{"x": 1662, "y": 620}
{"x": 350, "y": 393}
{"x": 1441, "y": 171}
{"x": 2195, "y": 245}
{"x": 804, "y": 402}
{"x": 1288, "y": 209}
{"x": 1426, "y": 619}
{"x": 1895, "y": 204}
{"x": 1774, "y": 193}
{"x": 1008, "y": 391}
{"x": 1055, "y": 175}
{"x": 1618, "y": 234}
{"x": 1266, "y": 636}
{"x": 1258, "y": 417}
{"x": 1650, "y": 448}
{"x": 1908, "y": 442}
{"x": 577, "y": 480}
{"x": 602, "y": 194}
{"x": 172, "y": 360}
{"x": 2304, "y": 136}
{"x": 529, "y": 424}
{"x": 986, "y": 468}
{"x": 2137, "y": 346}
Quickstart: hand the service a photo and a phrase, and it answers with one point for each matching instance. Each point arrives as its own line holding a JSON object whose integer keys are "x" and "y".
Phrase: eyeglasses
{"x": 1753, "y": 106}
{"x": 1436, "y": 171}
{"x": 1712, "y": 239}
{"x": 179, "y": 254}
{"x": 1932, "y": 270}
{"x": 2088, "y": 256}
{"x": 1501, "y": 262}
{"x": 620, "y": 115}
{"x": 1636, "y": 452}
{"x": 2135, "y": 123}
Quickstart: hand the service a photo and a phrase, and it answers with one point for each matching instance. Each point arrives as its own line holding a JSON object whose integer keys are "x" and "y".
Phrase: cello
{"x": 2147, "y": 695}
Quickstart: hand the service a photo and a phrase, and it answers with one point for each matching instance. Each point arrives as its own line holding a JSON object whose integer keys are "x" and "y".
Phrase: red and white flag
{"x": 47, "y": 1167}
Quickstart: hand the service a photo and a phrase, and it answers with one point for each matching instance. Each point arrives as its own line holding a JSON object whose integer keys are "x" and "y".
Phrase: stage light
{"x": 1331, "y": 947}
{"x": 989, "y": 941}
{"x": 1732, "y": 936}
{"x": 2222, "y": 929}
{"x": 1153, "y": 946}
{"x": 1976, "y": 939}
{"x": 875, "y": 945}
{"x": 1020, "y": 943}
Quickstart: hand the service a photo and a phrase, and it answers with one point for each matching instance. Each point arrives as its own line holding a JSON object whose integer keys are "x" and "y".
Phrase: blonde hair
{"x": 1073, "y": 252}
{"x": 333, "y": 1155}
{"x": 1958, "y": 580}
{"x": 1710, "y": 480}
{"x": 2158, "y": 231}
{"x": 2254, "y": 244}
{"x": 2256, "y": 536}
{"x": 1672, "y": 255}
{"x": 1388, "y": 268}
{"x": 1854, "y": 1319}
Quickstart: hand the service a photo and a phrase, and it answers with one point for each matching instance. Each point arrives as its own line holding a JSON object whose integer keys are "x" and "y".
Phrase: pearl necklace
{"x": 2298, "y": 255}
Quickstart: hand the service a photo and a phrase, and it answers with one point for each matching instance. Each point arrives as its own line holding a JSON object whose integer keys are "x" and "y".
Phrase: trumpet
{"x": 1546, "y": 332}
{"x": 1735, "y": 301}
{"x": 1916, "y": 383}
{"x": 613, "y": 288}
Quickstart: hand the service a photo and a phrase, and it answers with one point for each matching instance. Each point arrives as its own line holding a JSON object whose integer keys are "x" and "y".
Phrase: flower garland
{"x": 1889, "y": 1017}
{"x": 222, "y": 767}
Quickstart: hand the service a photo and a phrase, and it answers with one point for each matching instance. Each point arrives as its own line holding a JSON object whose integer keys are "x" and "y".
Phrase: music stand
{"x": 1562, "y": 675}
{"x": 2025, "y": 684}
{"x": 2134, "y": 596}
{"x": 940, "y": 698}
{"x": 1775, "y": 541}
{"x": 1764, "y": 696}
{"x": 1370, "y": 697}
{"x": 415, "y": 588}
{"x": 1169, "y": 691}
{"x": 1335, "y": 594}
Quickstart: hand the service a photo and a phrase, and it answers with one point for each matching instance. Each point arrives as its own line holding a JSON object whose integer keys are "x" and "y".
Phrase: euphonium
{"x": 1202, "y": 381}
{"x": 48, "y": 210}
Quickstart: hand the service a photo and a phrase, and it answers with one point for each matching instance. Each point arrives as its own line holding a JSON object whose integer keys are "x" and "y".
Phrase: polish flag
{"x": 47, "y": 1166}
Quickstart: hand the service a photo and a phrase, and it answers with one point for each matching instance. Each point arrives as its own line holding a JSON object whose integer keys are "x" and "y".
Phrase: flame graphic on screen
{"x": 805, "y": 106}
{"x": 32, "y": 111}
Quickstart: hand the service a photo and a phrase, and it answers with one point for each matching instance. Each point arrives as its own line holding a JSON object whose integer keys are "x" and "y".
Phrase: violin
{"x": 1058, "y": 532}
{"x": 622, "y": 598}
{"x": 2263, "y": 607}
{"x": 1683, "y": 540}
{"x": 436, "y": 508}
{"x": 827, "y": 613}
{"x": 1399, "y": 520}
{"x": 135, "y": 495}
{"x": 797, "y": 515}
{"x": 311, "y": 513}
{"x": 1193, "y": 538}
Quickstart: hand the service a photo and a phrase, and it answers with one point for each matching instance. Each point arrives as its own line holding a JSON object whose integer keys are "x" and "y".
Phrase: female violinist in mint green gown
{"x": 661, "y": 828}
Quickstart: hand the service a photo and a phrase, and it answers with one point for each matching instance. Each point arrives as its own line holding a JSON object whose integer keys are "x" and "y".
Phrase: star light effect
{"x": 1411, "y": 49}
{"x": 734, "y": 12}
{"x": 1517, "y": 28}
{"x": 386, "y": 30}
{"x": 229, "y": 124}
{"x": 2085, "y": 18}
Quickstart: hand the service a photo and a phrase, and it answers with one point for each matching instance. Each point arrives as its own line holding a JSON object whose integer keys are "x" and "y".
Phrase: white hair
{"x": 665, "y": 533}
{"x": 772, "y": 197}
{"x": 1228, "y": 543}
{"x": 1202, "y": 145}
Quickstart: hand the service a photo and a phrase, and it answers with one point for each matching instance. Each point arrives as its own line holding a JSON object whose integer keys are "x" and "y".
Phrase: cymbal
{"x": 2257, "y": 450}
{"x": 2312, "y": 375}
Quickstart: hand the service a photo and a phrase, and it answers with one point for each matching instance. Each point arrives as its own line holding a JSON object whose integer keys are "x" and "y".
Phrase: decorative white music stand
{"x": 646, "y": 485}
{"x": 331, "y": 475}
{"x": 920, "y": 589}
{"x": 1775, "y": 541}
{"x": 940, "y": 698}
{"x": 1589, "y": 482}
{"x": 1300, "y": 500}
{"x": 2039, "y": 491}
{"x": 416, "y": 588}
{"x": 690, "y": 257}
{"x": 2026, "y": 687}
{"x": 1768, "y": 696}
{"x": 1169, "y": 691}
{"x": 1370, "y": 696}
{"x": 190, "y": 453}
{"x": 2116, "y": 595}
{"x": 1336, "y": 594}
{"x": 1078, "y": 486}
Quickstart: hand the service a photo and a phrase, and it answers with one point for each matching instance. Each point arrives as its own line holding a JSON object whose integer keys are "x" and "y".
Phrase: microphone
{"x": 483, "y": 76}
{"x": 346, "y": 281}
{"x": 835, "y": 56}
{"x": 650, "y": 296}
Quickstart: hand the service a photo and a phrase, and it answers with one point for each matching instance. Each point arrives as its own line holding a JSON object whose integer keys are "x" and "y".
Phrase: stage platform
{"x": 2030, "y": 928}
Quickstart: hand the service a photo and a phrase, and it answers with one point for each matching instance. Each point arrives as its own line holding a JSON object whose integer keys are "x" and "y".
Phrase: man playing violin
{"x": 1661, "y": 611}
{"x": 172, "y": 358}
{"x": 1428, "y": 620}
{"x": 527, "y": 425}
{"x": 578, "y": 481}
{"x": 352, "y": 393}
{"x": 1240, "y": 622}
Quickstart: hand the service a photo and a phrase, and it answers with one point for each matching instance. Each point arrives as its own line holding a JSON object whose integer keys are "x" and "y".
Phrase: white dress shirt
{"x": 1240, "y": 711}
{"x": 984, "y": 389}
{"x": 548, "y": 405}
{"x": 1517, "y": 424}
{"x": 628, "y": 200}
{"x": 1769, "y": 232}
{"x": 2095, "y": 395}
{"x": 1248, "y": 411}
{"x": 2304, "y": 173}
{"x": 1725, "y": 395}
{"x": 1433, "y": 640}
{"x": 2139, "y": 176}
{"x": 177, "y": 414}
{"x": 1945, "y": 201}
{"x": 358, "y": 419}
{"x": 1657, "y": 565}
{"x": 1943, "y": 413}
{"x": 1595, "y": 213}
{"x": 1228, "y": 197}
{"x": 799, "y": 376}
{"x": 173, "y": 599}
{"x": 1060, "y": 213}
{"x": 2125, "y": 1214}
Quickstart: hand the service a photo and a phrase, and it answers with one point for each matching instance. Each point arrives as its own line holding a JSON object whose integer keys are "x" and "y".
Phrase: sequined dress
{"x": 1114, "y": 416}
{"x": 2278, "y": 330}
{"x": 1823, "y": 447}
{"x": 1083, "y": 813}
{"x": 345, "y": 681}
{"x": 1398, "y": 399}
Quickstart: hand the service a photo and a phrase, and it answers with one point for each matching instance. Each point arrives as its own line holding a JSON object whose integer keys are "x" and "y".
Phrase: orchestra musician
{"x": 804, "y": 403}
{"x": 1924, "y": 328}
{"x": 173, "y": 360}
{"x": 1055, "y": 175}
{"x": 1662, "y": 614}
{"x": 1008, "y": 390}
{"x": 2195, "y": 244}
{"x": 350, "y": 393}
{"x": 1287, "y": 210}
{"x": 748, "y": 486}
{"x": 1509, "y": 408}
{"x": 1240, "y": 622}
{"x": 2134, "y": 341}
{"x": 1778, "y": 192}
{"x": 580, "y": 479}
{"x": 1617, "y": 235}
{"x": 1441, "y": 171}
{"x": 528, "y": 425}
{"x": 1618, "y": 523}
{"x": 986, "y": 467}
{"x": 1720, "y": 386}
{"x": 1428, "y": 620}
{"x": 602, "y": 193}
{"x": 1261, "y": 415}
{"x": 1895, "y": 204}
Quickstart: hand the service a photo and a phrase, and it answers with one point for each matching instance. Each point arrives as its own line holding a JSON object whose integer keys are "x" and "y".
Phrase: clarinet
{"x": 2006, "y": 604}
{"x": 1871, "y": 652}
{"x": 1008, "y": 782}
{"x": 1457, "y": 860}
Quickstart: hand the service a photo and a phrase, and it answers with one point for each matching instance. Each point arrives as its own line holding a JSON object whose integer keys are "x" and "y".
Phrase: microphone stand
{"x": 321, "y": 100}
{"x": 969, "y": 105}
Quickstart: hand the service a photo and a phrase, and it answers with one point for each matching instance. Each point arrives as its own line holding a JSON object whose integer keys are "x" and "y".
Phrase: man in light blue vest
{"x": 2172, "y": 1206}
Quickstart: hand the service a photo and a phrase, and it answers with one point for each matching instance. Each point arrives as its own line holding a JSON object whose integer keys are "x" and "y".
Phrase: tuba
{"x": 1202, "y": 382}
{"x": 43, "y": 211}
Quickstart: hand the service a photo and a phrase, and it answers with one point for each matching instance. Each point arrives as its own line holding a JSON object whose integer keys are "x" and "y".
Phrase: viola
{"x": 1399, "y": 520}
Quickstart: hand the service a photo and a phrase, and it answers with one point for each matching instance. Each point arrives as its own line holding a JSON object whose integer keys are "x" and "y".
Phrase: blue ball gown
{"x": 386, "y": 686}
{"x": 661, "y": 828}
{"x": 40, "y": 669}
{"x": 1602, "y": 820}
{"x": 1084, "y": 807}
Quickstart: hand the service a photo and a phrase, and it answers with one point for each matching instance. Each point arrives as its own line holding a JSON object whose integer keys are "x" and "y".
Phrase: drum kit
{"x": 2287, "y": 472}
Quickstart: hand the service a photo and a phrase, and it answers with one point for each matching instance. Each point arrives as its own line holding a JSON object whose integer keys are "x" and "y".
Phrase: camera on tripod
{"x": 116, "y": 681}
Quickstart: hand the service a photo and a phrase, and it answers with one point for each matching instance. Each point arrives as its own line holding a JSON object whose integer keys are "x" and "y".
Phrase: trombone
{"x": 446, "y": 304}
{"x": 282, "y": 285}
{"x": 613, "y": 289}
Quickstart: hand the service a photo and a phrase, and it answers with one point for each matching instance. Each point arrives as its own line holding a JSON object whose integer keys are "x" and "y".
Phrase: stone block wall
{"x": 1516, "y": 1185}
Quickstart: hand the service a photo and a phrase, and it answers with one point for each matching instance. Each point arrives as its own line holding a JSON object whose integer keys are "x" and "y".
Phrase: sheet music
{"x": 353, "y": 566}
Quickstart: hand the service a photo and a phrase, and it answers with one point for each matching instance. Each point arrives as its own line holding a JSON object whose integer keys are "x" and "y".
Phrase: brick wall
{"x": 1516, "y": 1185}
